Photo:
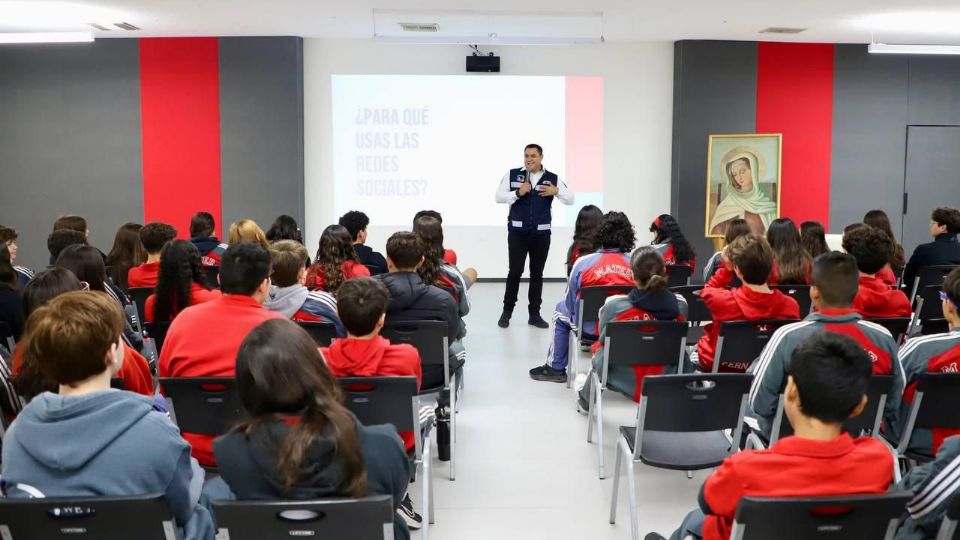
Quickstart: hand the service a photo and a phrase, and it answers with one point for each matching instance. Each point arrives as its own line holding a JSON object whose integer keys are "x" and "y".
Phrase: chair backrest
{"x": 644, "y": 343}
{"x": 139, "y": 296}
{"x": 144, "y": 517}
{"x": 697, "y": 402}
{"x": 6, "y": 336}
{"x": 697, "y": 310}
{"x": 370, "y": 518}
{"x": 927, "y": 276}
{"x": 741, "y": 342}
{"x": 158, "y": 331}
{"x": 323, "y": 333}
{"x": 863, "y": 517}
{"x": 382, "y": 400}
{"x": 800, "y": 293}
{"x": 935, "y": 405}
{"x": 203, "y": 405}
{"x": 896, "y": 325}
{"x": 879, "y": 388}
{"x": 678, "y": 274}
{"x": 212, "y": 275}
{"x": 928, "y": 303}
{"x": 428, "y": 337}
{"x": 593, "y": 298}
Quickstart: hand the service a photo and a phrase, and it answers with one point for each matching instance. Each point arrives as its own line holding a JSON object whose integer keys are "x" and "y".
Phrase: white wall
{"x": 638, "y": 116}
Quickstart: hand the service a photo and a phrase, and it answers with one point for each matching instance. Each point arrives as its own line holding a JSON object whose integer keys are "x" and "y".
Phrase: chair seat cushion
{"x": 680, "y": 451}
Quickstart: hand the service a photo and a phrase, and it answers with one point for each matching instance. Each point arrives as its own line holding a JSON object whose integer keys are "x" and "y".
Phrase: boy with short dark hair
{"x": 872, "y": 249}
{"x": 944, "y": 250}
{"x": 835, "y": 284}
{"x": 202, "y": 228}
{"x": 288, "y": 294}
{"x": 90, "y": 440}
{"x": 356, "y": 223}
{"x": 750, "y": 259}
{"x": 61, "y": 239}
{"x": 826, "y": 385}
{"x": 153, "y": 236}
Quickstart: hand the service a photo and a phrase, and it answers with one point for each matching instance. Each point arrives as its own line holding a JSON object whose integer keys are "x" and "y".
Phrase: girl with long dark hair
{"x": 669, "y": 241}
{"x": 584, "y": 241}
{"x": 126, "y": 253}
{"x": 300, "y": 442}
{"x": 813, "y": 239}
{"x": 336, "y": 260}
{"x": 434, "y": 271}
{"x": 791, "y": 265}
{"x": 180, "y": 284}
{"x": 890, "y": 273}
{"x": 10, "y": 304}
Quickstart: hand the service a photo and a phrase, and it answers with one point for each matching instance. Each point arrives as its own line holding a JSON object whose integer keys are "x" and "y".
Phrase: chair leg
{"x": 453, "y": 432}
{"x": 591, "y": 410}
{"x": 600, "y": 431}
{"x": 571, "y": 373}
{"x": 634, "y": 509}
{"x": 433, "y": 516}
{"x": 616, "y": 486}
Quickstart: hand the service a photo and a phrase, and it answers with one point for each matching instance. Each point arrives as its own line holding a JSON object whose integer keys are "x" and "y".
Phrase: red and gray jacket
{"x": 937, "y": 353}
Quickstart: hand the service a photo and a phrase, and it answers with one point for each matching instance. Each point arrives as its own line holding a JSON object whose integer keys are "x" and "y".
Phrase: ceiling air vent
{"x": 419, "y": 27}
{"x": 99, "y": 27}
{"x": 782, "y": 30}
{"x": 125, "y": 26}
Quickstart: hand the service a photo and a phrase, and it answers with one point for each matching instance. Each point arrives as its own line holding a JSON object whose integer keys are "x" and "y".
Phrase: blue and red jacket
{"x": 604, "y": 268}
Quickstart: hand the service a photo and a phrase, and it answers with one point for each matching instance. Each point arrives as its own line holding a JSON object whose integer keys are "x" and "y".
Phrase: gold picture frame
{"x": 743, "y": 180}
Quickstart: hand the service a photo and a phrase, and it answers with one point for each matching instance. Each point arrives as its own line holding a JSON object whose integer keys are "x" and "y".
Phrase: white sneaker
{"x": 580, "y": 382}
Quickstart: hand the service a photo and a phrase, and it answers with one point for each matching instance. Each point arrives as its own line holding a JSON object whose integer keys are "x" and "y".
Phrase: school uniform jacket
{"x": 301, "y": 305}
{"x": 350, "y": 269}
{"x": 876, "y": 299}
{"x": 771, "y": 369}
{"x": 144, "y": 275}
{"x": 605, "y": 267}
{"x": 933, "y": 485}
{"x": 198, "y": 295}
{"x": 24, "y": 275}
{"x": 943, "y": 250}
{"x": 938, "y": 353}
{"x": 666, "y": 250}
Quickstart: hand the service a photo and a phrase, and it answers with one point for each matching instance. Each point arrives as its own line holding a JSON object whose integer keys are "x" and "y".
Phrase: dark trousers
{"x": 519, "y": 245}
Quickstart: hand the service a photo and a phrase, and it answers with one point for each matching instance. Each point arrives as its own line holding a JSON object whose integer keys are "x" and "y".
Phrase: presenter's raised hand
{"x": 549, "y": 191}
{"x": 524, "y": 188}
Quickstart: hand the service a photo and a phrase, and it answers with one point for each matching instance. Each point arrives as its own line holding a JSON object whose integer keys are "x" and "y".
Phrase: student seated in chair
{"x": 934, "y": 485}
{"x": 871, "y": 248}
{"x": 826, "y": 385}
{"x": 300, "y": 442}
{"x": 650, "y": 301}
{"x": 202, "y": 228}
{"x": 356, "y": 223}
{"x": 944, "y": 250}
{"x": 835, "y": 283}
{"x": 180, "y": 282}
{"x": 750, "y": 259}
{"x": 89, "y": 440}
{"x": 610, "y": 265}
{"x": 937, "y": 353}
{"x": 153, "y": 236}
{"x": 289, "y": 295}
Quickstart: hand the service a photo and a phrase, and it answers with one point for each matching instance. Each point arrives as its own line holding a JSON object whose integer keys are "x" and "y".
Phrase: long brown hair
{"x": 649, "y": 270}
{"x": 880, "y": 220}
{"x": 280, "y": 373}
{"x": 813, "y": 239}
{"x": 126, "y": 253}
{"x": 430, "y": 232}
{"x": 336, "y": 247}
{"x": 792, "y": 260}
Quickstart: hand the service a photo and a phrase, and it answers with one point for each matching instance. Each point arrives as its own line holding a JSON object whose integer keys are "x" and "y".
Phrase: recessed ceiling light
{"x": 909, "y": 22}
{"x": 782, "y": 30}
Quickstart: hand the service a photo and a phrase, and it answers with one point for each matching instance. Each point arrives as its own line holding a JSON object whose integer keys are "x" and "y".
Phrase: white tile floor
{"x": 524, "y": 468}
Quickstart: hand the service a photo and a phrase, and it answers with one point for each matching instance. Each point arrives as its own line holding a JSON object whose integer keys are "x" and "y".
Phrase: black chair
{"x": 897, "y": 326}
{"x": 212, "y": 275}
{"x": 800, "y": 293}
{"x": 697, "y": 311}
{"x": 633, "y": 343}
{"x": 139, "y": 296}
{"x": 203, "y": 405}
{"x": 935, "y": 405}
{"x": 393, "y": 400}
{"x": 680, "y": 426}
{"x": 157, "y": 331}
{"x": 678, "y": 274}
{"x": 948, "y": 527}
{"x": 431, "y": 341}
{"x": 860, "y": 517}
{"x": 927, "y": 276}
{"x": 357, "y": 519}
{"x": 739, "y": 343}
{"x": 927, "y": 311}
{"x": 6, "y": 337}
{"x": 323, "y": 333}
{"x": 591, "y": 300}
{"x": 144, "y": 517}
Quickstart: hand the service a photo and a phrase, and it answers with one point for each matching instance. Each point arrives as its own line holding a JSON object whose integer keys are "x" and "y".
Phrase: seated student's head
{"x": 944, "y": 221}
{"x": 432, "y": 213}
{"x": 836, "y": 280}
{"x": 178, "y": 272}
{"x": 247, "y": 230}
{"x": 827, "y": 381}
{"x": 813, "y": 238}
{"x": 280, "y": 373}
{"x": 245, "y": 270}
{"x": 951, "y": 304}
{"x": 86, "y": 263}
{"x": 154, "y": 235}
{"x": 201, "y": 225}
{"x": 735, "y": 229}
{"x": 72, "y": 222}
{"x": 616, "y": 232}
{"x": 284, "y": 228}
{"x": 356, "y": 223}
{"x": 60, "y": 239}
{"x": 289, "y": 260}
{"x": 8, "y": 236}
{"x": 76, "y": 338}
{"x": 430, "y": 232}
{"x": 852, "y": 227}
{"x": 752, "y": 259}
{"x": 8, "y": 276}
{"x": 870, "y": 246}
{"x": 404, "y": 252}
{"x": 362, "y": 306}
{"x": 649, "y": 270}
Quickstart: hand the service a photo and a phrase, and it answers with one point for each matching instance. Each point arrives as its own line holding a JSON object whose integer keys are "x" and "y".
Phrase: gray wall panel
{"x": 261, "y": 129}
{"x": 715, "y": 92}
{"x": 69, "y": 140}
{"x": 869, "y": 135}
{"x": 934, "y": 91}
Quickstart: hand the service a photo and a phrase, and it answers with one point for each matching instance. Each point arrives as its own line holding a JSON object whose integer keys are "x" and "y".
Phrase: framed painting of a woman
{"x": 743, "y": 181}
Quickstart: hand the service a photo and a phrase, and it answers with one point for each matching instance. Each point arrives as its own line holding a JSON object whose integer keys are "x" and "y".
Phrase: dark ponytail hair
{"x": 668, "y": 231}
{"x": 179, "y": 270}
{"x": 649, "y": 270}
{"x": 430, "y": 232}
{"x": 280, "y": 373}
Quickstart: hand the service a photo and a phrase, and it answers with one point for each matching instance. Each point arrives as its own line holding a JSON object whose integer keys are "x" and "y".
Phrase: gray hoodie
{"x": 107, "y": 443}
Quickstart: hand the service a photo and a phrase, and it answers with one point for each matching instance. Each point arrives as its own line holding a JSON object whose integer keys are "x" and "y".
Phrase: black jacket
{"x": 412, "y": 300}
{"x": 249, "y": 466}
{"x": 11, "y": 310}
{"x": 371, "y": 259}
{"x": 943, "y": 250}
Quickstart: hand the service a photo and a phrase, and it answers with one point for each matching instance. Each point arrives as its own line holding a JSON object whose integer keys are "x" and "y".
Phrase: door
{"x": 932, "y": 179}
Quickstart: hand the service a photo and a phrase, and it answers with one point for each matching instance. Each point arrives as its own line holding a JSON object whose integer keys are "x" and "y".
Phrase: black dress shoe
{"x": 537, "y": 320}
{"x": 547, "y": 373}
{"x": 504, "y": 320}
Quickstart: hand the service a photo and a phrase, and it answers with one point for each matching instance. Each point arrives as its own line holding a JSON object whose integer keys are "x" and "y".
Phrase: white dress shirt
{"x": 505, "y": 195}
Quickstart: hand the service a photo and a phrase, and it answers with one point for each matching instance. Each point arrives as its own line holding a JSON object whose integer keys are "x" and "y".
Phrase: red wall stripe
{"x": 795, "y": 97}
{"x": 584, "y": 132}
{"x": 180, "y": 129}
